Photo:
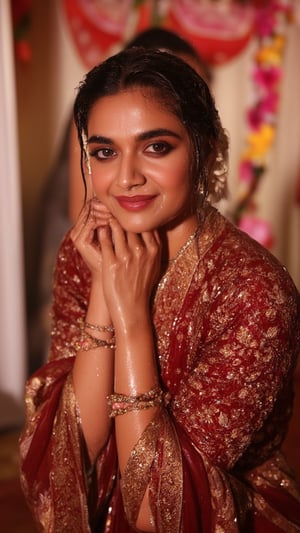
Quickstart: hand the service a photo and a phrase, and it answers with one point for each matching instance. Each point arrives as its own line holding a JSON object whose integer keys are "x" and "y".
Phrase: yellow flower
{"x": 270, "y": 55}
{"x": 259, "y": 142}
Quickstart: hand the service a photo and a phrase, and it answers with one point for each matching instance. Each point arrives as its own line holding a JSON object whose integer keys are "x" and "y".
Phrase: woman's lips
{"x": 135, "y": 203}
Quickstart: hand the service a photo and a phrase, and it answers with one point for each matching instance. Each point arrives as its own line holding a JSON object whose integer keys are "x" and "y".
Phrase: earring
{"x": 218, "y": 185}
{"x": 88, "y": 163}
{"x": 86, "y": 153}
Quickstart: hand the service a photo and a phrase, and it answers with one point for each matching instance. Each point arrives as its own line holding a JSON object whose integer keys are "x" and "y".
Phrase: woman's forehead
{"x": 132, "y": 112}
{"x": 142, "y": 100}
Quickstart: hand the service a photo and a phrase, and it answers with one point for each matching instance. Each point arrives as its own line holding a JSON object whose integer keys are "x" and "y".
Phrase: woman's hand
{"x": 85, "y": 235}
{"x": 131, "y": 267}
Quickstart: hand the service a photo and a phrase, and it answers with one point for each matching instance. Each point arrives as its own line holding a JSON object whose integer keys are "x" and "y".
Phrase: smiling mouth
{"x": 135, "y": 203}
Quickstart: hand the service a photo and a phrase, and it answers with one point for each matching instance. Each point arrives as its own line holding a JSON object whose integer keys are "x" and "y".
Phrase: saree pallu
{"x": 226, "y": 322}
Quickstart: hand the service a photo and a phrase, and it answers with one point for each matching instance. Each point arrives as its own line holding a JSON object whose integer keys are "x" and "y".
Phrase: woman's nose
{"x": 130, "y": 174}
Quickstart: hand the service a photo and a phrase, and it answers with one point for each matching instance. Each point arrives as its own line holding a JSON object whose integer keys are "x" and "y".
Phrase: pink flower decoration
{"x": 258, "y": 229}
{"x": 267, "y": 77}
{"x": 255, "y": 117}
{"x": 269, "y": 104}
{"x": 246, "y": 171}
{"x": 264, "y": 111}
{"x": 261, "y": 117}
{"x": 265, "y": 22}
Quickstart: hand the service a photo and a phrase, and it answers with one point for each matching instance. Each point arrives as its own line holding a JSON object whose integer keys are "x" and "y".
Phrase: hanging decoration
{"x": 99, "y": 27}
{"x": 219, "y": 30}
{"x": 271, "y": 24}
{"x": 21, "y": 17}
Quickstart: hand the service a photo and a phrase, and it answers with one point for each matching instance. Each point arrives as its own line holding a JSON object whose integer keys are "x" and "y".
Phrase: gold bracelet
{"x": 95, "y": 327}
{"x": 121, "y": 403}
{"x": 88, "y": 342}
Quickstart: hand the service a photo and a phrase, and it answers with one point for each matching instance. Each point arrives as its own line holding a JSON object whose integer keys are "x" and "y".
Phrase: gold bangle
{"x": 121, "y": 403}
{"x": 88, "y": 342}
{"x": 96, "y": 327}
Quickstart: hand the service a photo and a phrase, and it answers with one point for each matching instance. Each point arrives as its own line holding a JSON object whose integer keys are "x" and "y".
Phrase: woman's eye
{"x": 103, "y": 153}
{"x": 159, "y": 148}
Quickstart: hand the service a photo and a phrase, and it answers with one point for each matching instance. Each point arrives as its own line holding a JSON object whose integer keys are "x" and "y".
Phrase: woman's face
{"x": 140, "y": 161}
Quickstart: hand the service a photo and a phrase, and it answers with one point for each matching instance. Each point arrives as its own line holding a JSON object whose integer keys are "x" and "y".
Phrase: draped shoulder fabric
{"x": 226, "y": 321}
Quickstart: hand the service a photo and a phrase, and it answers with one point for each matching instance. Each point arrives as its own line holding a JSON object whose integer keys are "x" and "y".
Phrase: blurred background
{"x": 46, "y": 46}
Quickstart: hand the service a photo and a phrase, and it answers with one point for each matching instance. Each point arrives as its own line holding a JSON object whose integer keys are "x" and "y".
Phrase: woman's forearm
{"x": 93, "y": 380}
{"x": 135, "y": 373}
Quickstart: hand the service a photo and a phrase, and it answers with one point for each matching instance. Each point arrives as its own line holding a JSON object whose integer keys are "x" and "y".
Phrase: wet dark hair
{"x": 178, "y": 88}
{"x": 169, "y": 41}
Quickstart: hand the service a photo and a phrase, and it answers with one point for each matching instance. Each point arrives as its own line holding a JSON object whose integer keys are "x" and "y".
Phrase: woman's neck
{"x": 175, "y": 237}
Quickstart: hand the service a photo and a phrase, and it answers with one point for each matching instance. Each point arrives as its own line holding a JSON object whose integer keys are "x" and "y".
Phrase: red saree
{"x": 226, "y": 317}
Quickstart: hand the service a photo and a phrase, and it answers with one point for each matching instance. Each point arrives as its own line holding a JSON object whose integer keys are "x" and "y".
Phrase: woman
{"x": 63, "y": 195}
{"x": 168, "y": 388}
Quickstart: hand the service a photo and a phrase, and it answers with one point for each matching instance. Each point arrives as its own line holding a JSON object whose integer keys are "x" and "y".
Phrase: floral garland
{"x": 271, "y": 22}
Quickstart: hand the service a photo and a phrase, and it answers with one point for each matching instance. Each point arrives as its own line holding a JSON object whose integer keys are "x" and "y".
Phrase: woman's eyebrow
{"x": 99, "y": 139}
{"x": 144, "y": 136}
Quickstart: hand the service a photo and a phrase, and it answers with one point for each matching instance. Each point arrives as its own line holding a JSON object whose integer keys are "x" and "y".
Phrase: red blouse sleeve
{"x": 71, "y": 285}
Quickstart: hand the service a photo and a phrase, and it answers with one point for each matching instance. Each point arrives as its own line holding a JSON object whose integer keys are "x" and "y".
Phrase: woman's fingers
{"x": 123, "y": 245}
{"x": 85, "y": 234}
{"x": 119, "y": 238}
{"x": 151, "y": 240}
{"x": 93, "y": 215}
{"x": 84, "y": 222}
{"x": 106, "y": 243}
{"x": 133, "y": 255}
{"x": 99, "y": 206}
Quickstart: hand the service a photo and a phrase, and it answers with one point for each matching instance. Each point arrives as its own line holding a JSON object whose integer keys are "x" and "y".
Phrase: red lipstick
{"x": 135, "y": 203}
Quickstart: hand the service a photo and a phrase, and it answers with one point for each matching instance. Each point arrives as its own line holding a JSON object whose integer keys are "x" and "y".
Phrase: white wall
{"x": 12, "y": 316}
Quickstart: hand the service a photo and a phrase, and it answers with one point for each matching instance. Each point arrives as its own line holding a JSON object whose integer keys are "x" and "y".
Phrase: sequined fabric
{"x": 226, "y": 320}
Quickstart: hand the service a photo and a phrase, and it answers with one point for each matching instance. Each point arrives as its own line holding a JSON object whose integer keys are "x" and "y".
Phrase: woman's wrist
{"x": 97, "y": 312}
{"x": 133, "y": 323}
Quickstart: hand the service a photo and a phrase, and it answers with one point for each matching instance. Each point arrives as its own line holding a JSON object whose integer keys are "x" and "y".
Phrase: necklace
{"x": 180, "y": 252}
{"x": 184, "y": 247}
